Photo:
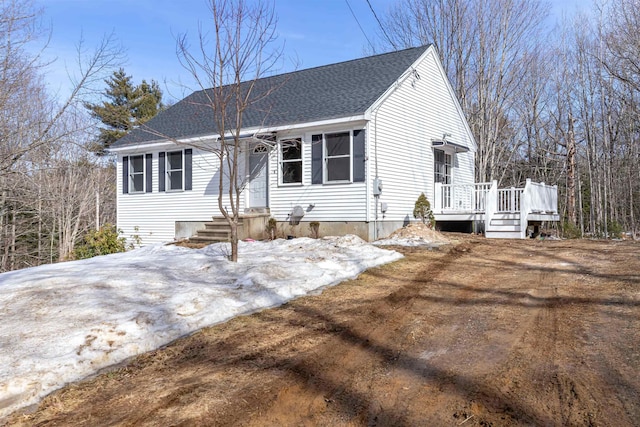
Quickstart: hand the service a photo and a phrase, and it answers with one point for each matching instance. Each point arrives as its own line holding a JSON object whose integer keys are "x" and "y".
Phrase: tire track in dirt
{"x": 360, "y": 355}
{"x": 490, "y": 333}
{"x": 552, "y": 360}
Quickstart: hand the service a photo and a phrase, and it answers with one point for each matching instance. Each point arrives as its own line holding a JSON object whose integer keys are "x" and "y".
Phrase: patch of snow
{"x": 62, "y": 322}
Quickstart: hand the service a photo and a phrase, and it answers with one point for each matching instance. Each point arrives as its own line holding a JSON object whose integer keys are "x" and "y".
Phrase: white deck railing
{"x": 509, "y": 200}
{"x": 488, "y": 199}
{"x": 543, "y": 198}
{"x": 467, "y": 198}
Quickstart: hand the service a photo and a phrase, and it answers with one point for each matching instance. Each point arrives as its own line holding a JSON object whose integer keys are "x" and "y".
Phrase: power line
{"x": 381, "y": 26}
{"x": 358, "y": 22}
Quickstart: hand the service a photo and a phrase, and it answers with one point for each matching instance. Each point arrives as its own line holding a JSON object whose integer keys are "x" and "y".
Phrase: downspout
{"x": 367, "y": 188}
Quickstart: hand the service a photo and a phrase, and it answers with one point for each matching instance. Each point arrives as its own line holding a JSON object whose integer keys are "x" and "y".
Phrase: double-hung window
{"x": 136, "y": 174}
{"x": 337, "y": 156}
{"x": 291, "y": 161}
{"x": 175, "y": 171}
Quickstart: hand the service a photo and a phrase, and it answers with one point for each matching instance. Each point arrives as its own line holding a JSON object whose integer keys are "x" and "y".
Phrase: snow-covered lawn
{"x": 62, "y": 322}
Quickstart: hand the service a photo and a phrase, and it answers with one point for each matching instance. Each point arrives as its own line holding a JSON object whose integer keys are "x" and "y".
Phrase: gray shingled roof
{"x": 332, "y": 91}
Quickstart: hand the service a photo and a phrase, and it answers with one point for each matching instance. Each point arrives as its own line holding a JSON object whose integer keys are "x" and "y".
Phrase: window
{"x": 174, "y": 170}
{"x": 442, "y": 167}
{"x": 136, "y": 174}
{"x": 291, "y": 161}
{"x": 337, "y": 156}
{"x": 442, "y": 174}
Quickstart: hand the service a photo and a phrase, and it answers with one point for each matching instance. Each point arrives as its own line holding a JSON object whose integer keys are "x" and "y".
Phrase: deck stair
{"x": 215, "y": 231}
{"x": 504, "y": 226}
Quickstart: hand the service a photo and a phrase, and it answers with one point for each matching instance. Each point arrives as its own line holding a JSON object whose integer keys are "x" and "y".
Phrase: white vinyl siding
{"x": 398, "y": 134}
{"x": 336, "y": 201}
{"x": 417, "y": 112}
{"x": 152, "y": 216}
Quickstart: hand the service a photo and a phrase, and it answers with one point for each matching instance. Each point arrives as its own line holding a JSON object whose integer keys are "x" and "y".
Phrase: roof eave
{"x": 197, "y": 140}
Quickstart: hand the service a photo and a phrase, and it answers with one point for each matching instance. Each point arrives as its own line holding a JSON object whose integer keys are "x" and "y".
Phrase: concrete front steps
{"x": 504, "y": 226}
{"x": 217, "y": 230}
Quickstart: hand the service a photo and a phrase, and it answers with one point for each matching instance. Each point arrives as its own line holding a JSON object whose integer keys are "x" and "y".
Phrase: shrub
{"x": 105, "y": 241}
{"x": 570, "y": 230}
{"x": 315, "y": 229}
{"x": 614, "y": 228}
{"x": 271, "y": 228}
{"x": 422, "y": 211}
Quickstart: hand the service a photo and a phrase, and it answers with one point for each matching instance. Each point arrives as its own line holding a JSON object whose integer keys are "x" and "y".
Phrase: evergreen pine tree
{"x": 126, "y": 106}
{"x": 422, "y": 211}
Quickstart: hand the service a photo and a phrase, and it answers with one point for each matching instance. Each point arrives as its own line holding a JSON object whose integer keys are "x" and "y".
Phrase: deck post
{"x": 525, "y": 208}
{"x": 437, "y": 197}
{"x": 491, "y": 205}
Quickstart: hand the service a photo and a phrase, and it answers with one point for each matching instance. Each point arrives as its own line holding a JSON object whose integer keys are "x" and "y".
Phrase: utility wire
{"x": 358, "y": 22}
{"x": 381, "y": 26}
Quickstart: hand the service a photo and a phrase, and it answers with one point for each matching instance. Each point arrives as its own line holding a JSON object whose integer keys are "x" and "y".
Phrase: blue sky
{"x": 315, "y": 32}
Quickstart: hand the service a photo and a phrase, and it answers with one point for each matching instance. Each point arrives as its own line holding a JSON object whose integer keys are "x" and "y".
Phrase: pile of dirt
{"x": 419, "y": 231}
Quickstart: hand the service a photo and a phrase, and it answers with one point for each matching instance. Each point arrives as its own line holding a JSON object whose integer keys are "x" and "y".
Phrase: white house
{"x": 349, "y": 145}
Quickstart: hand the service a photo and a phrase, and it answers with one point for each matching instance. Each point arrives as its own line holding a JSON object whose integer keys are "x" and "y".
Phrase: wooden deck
{"x": 506, "y": 212}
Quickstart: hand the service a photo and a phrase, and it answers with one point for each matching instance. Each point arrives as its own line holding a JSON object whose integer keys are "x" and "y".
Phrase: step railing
{"x": 537, "y": 198}
{"x": 544, "y": 198}
{"x": 509, "y": 200}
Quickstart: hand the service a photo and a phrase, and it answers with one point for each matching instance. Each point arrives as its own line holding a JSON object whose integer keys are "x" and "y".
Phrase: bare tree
{"x": 33, "y": 125}
{"x": 559, "y": 106}
{"x": 485, "y": 46}
{"x": 623, "y": 42}
{"x": 620, "y": 56}
{"x": 229, "y": 59}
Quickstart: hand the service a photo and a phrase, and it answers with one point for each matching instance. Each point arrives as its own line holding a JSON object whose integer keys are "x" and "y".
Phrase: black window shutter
{"x": 125, "y": 175}
{"x": 358, "y": 155}
{"x": 148, "y": 173}
{"x": 161, "y": 177}
{"x": 316, "y": 159}
{"x": 187, "y": 169}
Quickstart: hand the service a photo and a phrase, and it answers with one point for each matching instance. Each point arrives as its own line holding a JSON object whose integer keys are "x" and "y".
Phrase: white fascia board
{"x": 431, "y": 50}
{"x": 153, "y": 146}
{"x": 141, "y": 147}
{"x": 319, "y": 123}
{"x": 200, "y": 140}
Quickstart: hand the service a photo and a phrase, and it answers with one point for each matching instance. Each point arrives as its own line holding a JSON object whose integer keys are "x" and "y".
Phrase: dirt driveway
{"x": 488, "y": 333}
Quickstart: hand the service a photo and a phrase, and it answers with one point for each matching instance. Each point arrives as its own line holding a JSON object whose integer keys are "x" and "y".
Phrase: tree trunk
{"x": 571, "y": 174}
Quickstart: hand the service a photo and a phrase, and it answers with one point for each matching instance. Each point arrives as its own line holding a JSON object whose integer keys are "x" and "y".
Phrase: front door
{"x": 258, "y": 178}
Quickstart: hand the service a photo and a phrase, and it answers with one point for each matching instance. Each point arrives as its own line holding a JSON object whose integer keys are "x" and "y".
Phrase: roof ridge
{"x": 317, "y": 67}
